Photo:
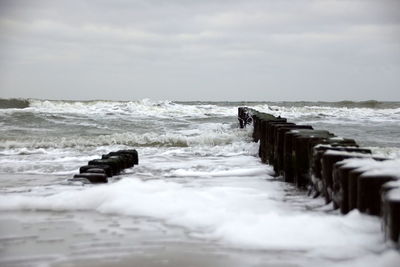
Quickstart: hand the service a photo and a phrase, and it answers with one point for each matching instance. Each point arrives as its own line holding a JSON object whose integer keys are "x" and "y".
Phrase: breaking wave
{"x": 209, "y": 138}
{"x": 145, "y": 107}
{"x": 334, "y": 115}
{"x": 373, "y": 104}
{"x": 13, "y": 103}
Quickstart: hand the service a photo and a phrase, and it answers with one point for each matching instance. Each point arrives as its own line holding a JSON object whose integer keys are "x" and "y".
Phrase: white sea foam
{"x": 197, "y": 171}
{"x": 169, "y": 109}
{"x": 371, "y": 164}
{"x": 218, "y": 173}
{"x": 145, "y": 107}
{"x": 207, "y": 134}
{"x": 386, "y": 152}
{"x": 244, "y": 216}
{"x": 333, "y": 115}
{"x": 170, "y": 161}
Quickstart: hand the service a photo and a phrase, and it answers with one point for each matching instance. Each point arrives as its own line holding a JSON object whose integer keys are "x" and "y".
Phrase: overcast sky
{"x": 200, "y": 49}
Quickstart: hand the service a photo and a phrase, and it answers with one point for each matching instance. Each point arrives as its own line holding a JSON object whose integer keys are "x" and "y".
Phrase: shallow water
{"x": 199, "y": 188}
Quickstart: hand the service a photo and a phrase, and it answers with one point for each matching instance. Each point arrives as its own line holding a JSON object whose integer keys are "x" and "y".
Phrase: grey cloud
{"x": 200, "y": 50}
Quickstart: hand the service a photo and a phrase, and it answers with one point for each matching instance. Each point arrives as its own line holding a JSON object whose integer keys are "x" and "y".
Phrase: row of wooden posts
{"x": 98, "y": 170}
{"x": 336, "y": 168}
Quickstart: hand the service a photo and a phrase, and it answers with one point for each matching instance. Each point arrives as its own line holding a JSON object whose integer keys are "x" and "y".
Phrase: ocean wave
{"x": 363, "y": 104}
{"x": 23, "y": 151}
{"x": 170, "y": 109}
{"x": 373, "y": 104}
{"x": 173, "y": 139}
{"x": 332, "y": 114}
{"x": 141, "y": 108}
{"x": 13, "y": 103}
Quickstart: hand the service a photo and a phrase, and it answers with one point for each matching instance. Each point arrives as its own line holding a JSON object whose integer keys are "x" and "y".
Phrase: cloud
{"x": 200, "y": 50}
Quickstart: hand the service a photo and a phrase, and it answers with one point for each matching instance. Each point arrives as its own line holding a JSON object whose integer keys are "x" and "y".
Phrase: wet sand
{"x": 44, "y": 238}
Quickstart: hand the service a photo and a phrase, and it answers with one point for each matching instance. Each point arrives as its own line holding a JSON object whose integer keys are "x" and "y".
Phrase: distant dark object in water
{"x": 13, "y": 103}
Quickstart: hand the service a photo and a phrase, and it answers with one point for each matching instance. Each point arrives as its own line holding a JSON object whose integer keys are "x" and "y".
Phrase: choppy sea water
{"x": 200, "y": 187}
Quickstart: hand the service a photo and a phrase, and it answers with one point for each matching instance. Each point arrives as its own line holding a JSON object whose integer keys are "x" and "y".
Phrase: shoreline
{"x": 34, "y": 238}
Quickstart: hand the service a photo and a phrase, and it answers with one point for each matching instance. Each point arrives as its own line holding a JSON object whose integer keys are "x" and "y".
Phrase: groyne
{"x": 346, "y": 175}
{"x": 98, "y": 170}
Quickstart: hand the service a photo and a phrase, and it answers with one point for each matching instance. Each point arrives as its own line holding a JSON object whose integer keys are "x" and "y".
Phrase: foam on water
{"x": 222, "y": 135}
{"x": 386, "y": 152}
{"x": 108, "y": 116}
{"x": 197, "y": 171}
{"x": 238, "y": 214}
{"x": 333, "y": 114}
{"x": 370, "y": 126}
{"x": 145, "y": 107}
{"x": 390, "y": 112}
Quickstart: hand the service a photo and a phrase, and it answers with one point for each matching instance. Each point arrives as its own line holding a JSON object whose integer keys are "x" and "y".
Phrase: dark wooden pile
{"x": 98, "y": 170}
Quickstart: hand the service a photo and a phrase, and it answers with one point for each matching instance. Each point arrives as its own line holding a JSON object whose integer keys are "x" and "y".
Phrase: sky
{"x": 218, "y": 50}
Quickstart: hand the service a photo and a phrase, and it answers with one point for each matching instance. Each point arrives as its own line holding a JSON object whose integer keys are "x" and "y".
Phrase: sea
{"x": 200, "y": 195}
